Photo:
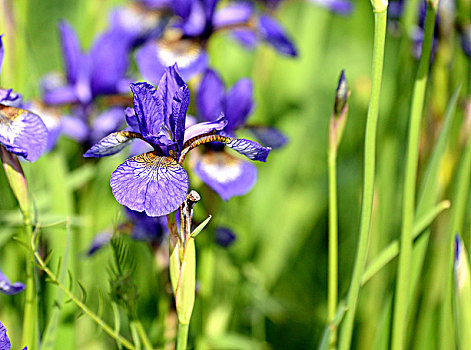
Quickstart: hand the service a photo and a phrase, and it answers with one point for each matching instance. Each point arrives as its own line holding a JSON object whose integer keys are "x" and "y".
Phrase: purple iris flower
{"x": 21, "y": 132}
{"x": 342, "y": 7}
{"x": 186, "y": 41}
{"x": 4, "y": 340}
{"x": 8, "y": 288}
{"x": 228, "y": 175}
{"x": 155, "y": 182}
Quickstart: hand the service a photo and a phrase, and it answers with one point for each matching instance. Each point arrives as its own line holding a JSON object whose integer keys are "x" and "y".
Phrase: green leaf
{"x": 185, "y": 291}
{"x": 200, "y": 227}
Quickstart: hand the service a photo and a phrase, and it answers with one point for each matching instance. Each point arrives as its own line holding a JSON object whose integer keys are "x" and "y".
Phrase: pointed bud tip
{"x": 341, "y": 95}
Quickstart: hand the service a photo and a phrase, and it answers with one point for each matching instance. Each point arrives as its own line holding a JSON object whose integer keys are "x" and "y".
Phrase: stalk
{"x": 380, "y": 14}
{"x": 182, "y": 336}
{"x": 408, "y": 209}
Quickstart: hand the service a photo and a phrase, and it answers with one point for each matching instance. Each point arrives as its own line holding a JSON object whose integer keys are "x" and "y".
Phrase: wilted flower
{"x": 155, "y": 182}
{"x": 228, "y": 175}
{"x": 21, "y": 132}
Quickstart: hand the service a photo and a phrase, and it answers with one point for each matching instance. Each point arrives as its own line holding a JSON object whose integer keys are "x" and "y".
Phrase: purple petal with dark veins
{"x": 8, "y": 288}
{"x": 274, "y": 34}
{"x": 98, "y": 242}
{"x": 148, "y": 106}
{"x": 111, "y": 144}
{"x": 147, "y": 182}
{"x": 155, "y": 56}
{"x": 22, "y": 131}
{"x": 70, "y": 50}
{"x": 239, "y": 104}
{"x": 131, "y": 119}
{"x": 250, "y": 149}
{"x": 4, "y": 340}
{"x": 75, "y": 127}
{"x": 109, "y": 61}
{"x": 210, "y": 96}
{"x": 204, "y": 128}
{"x": 10, "y": 98}
{"x": 180, "y": 103}
{"x": 228, "y": 176}
{"x": 233, "y": 15}
{"x": 106, "y": 122}
{"x": 268, "y": 136}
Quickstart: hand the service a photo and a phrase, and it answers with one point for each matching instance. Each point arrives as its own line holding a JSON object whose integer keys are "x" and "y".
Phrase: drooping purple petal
{"x": 210, "y": 96}
{"x": 8, "y": 288}
{"x": 204, "y": 128}
{"x": 269, "y": 136}
{"x": 228, "y": 176}
{"x": 233, "y": 15}
{"x": 250, "y": 149}
{"x": 155, "y": 56}
{"x": 272, "y": 32}
{"x": 109, "y": 61}
{"x": 22, "y": 131}
{"x": 224, "y": 237}
{"x": 4, "y": 340}
{"x": 111, "y": 144}
{"x": 70, "y": 50}
{"x": 148, "y": 106}
{"x": 106, "y": 122}
{"x": 239, "y": 104}
{"x": 98, "y": 242}
{"x": 180, "y": 103}
{"x": 147, "y": 182}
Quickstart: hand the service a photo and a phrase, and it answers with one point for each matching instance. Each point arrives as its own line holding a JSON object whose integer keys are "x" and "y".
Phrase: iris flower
{"x": 4, "y": 340}
{"x": 89, "y": 75}
{"x": 228, "y": 175}
{"x": 8, "y": 288}
{"x": 155, "y": 182}
{"x": 185, "y": 40}
{"x": 21, "y": 132}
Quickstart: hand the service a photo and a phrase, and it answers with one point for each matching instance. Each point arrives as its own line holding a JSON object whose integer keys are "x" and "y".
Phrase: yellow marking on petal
{"x": 11, "y": 126}
{"x": 184, "y": 52}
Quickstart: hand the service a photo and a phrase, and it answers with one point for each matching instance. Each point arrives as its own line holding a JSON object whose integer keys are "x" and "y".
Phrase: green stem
{"x": 408, "y": 209}
{"x": 30, "y": 320}
{"x": 368, "y": 179}
{"x": 182, "y": 336}
{"x": 143, "y": 335}
{"x": 332, "y": 296}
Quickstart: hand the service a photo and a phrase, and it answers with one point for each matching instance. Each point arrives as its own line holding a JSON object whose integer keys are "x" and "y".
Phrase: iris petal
{"x": 204, "y": 128}
{"x": 8, "y": 288}
{"x": 70, "y": 50}
{"x": 4, "y": 340}
{"x": 250, "y": 149}
{"x": 180, "y": 104}
{"x": 111, "y": 144}
{"x": 239, "y": 104}
{"x": 228, "y": 176}
{"x": 22, "y": 132}
{"x": 148, "y": 107}
{"x": 274, "y": 34}
{"x": 147, "y": 182}
{"x": 210, "y": 96}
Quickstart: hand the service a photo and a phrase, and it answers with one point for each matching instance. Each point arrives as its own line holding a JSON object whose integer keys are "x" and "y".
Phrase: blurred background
{"x": 268, "y": 289}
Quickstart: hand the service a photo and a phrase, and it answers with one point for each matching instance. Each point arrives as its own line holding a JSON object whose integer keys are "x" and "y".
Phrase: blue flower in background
{"x": 228, "y": 175}
{"x": 155, "y": 182}
{"x": 8, "y": 288}
{"x": 4, "y": 340}
{"x": 224, "y": 237}
{"x": 185, "y": 40}
{"x": 21, "y": 132}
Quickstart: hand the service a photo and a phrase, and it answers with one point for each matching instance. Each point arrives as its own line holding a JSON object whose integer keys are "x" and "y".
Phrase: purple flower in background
{"x": 155, "y": 182}
{"x": 342, "y": 7}
{"x": 8, "y": 288}
{"x": 465, "y": 35}
{"x": 185, "y": 41}
{"x": 21, "y": 132}
{"x": 224, "y": 237}
{"x": 4, "y": 340}
{"x": 228, "y": 175}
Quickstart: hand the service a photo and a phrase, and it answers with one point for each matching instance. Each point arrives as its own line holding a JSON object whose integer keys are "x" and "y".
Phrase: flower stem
{"x": 368, "y": 178}
{"x": 182, "y": 336}
{"x": 30, "y": 320}
{"x": 408, "y": 209}
{"x": 332, "y": 295}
